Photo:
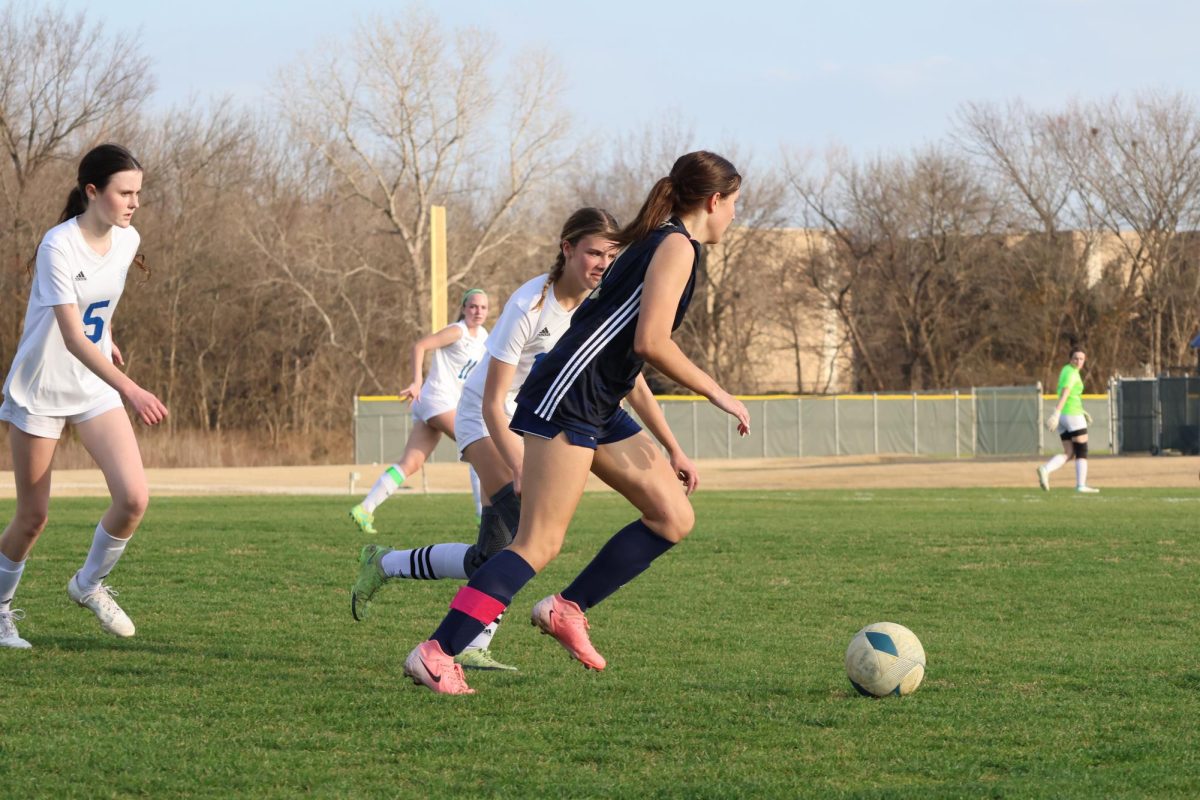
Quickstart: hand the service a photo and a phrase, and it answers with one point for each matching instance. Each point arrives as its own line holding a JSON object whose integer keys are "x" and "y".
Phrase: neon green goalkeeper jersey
{"x": 1069, "y": 379}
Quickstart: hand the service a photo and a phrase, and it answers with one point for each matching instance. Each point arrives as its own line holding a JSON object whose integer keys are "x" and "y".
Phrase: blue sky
{"x": 872, "y": 76}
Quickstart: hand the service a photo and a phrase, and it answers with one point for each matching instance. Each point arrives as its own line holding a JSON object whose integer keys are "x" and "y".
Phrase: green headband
{"x": 468, "y": 293}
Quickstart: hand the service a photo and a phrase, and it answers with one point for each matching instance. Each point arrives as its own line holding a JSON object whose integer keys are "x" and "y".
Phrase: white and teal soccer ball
{"x": 885, "y": 658}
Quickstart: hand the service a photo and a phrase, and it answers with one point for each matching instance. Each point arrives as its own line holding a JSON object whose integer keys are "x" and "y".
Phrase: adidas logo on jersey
{"x": 81, "y": 276}
{"x": 543, "y": 333}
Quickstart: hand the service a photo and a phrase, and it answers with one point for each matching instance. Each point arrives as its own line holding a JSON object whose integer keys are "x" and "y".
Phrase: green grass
{"x": 1061, "y": 633}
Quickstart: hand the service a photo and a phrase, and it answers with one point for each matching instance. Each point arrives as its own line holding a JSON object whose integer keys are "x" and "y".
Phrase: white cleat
{"x": 101, "y": 603}
{"x": 1086, "y": 490}
{"x": 1043, "y": 479}
{"x": 8, "y": 630}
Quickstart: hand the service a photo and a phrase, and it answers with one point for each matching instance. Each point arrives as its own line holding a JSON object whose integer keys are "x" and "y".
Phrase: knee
{"x": 30, "y": 523}
{"x": 674, "y": 522}
{"x": 133, "y": 502}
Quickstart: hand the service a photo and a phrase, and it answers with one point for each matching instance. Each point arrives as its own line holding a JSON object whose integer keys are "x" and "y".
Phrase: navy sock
{"x": 500, "y": 578}
{"x": 625, "y": 556}
{"x": 508, "y": 506}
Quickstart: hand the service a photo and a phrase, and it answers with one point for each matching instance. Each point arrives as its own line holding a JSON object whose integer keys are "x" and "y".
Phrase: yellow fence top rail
{"x": 693, "y": 398}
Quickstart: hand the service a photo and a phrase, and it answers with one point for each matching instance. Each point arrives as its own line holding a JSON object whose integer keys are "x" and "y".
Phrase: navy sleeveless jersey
{"x": 580, "y": 383}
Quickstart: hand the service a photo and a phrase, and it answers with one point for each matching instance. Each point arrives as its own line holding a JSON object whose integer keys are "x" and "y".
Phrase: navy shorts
{"x": 618, "y": 427}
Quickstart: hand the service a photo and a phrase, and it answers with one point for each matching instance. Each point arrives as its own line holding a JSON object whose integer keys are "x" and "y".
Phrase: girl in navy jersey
{"x": 65, "y": 371}
{"x": 570, "y": 415}
{"x": 534, "y": 318}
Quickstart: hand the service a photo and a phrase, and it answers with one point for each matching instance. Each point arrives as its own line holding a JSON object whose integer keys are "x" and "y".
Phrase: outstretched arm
{"x": 666, "y": 278}
{"x": 447, "y": 335}
{"x": 648, "y": 411}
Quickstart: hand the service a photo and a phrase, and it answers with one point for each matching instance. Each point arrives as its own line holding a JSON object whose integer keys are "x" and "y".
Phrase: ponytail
{"x": 76, "y": 205}
{"x": 693, "y": 179}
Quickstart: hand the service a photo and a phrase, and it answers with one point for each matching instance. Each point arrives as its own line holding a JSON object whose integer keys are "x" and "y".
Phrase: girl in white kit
{"x": 65, "y": 371}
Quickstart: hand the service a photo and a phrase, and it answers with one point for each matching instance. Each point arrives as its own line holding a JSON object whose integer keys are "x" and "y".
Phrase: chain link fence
{"x": 996, "y": 420}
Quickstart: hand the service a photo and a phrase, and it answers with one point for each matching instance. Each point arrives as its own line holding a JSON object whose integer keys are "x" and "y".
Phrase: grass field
{"x": 1061, "y": 633}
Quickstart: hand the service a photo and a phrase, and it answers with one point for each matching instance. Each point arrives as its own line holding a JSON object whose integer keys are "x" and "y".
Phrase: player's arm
{"x": 495, "y": 389}
{"x": 70, "y": 323}
{"x": 649, "y": 412}
{"x": 434, "y": 341}
{"x": 666, "y": 278}
{"x": 1052, "y": 422}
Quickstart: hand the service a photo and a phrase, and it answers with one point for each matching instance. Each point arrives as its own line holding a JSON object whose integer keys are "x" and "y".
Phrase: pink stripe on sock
{"x": 478, "y": 605}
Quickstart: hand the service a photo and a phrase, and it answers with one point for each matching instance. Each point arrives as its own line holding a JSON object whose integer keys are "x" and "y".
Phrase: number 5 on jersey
{"x": 95, "y": 323}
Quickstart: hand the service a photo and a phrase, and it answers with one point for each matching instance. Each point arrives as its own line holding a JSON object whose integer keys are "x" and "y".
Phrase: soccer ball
{"x": 885, "y": 658}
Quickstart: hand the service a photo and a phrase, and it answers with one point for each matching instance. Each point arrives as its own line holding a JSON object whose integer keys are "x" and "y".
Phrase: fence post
{"x": 695, "y": 430}
{"x": 728, "y": 436}
{"x": 957, "y": 451}
{"x": 837, "y": 434}
{"x": 1041, "y": 408}
{"x": 354, "y": 433}
{"x": 875, "y": 420}
{"x": 916, "y": 449}
{"x": 764, "y": 427}
{"x": 975, "y": 425}
{"x": 1113, "y": 447}
{"x": 799, "y": 427}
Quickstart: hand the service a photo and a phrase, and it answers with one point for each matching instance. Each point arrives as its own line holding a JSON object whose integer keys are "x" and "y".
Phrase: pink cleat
{"x": 563, "y": 620}
{"x": 430, "y": 666}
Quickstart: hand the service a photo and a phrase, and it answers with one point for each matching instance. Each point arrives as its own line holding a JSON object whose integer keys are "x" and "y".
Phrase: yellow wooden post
{"x": 437, "y": 267}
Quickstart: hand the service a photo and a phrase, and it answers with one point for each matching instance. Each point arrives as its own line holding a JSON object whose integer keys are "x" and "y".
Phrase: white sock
{"x": 1081, "y": 472}
{"x": 475, "y": 490}
{"x": 484, "y": 639}
{"x": 10, "y": 576}
{"x": 106, "y": 551}
{"x": 432, "y": 563}
{"x": 388, "y": 483}
{"x": 1055, "y": 462}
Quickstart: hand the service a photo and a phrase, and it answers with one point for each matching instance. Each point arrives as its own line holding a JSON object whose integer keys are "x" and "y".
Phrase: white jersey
{"x": 453, "y": 363}
{"x": 45, "y": 378}
{"x": 523, "y": 332}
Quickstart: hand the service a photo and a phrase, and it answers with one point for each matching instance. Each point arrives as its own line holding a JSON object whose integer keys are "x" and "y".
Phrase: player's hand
{"x": 1052, "y": 422}
{"x": 411, "y": 392}
{"x": 117, "y": 358}
{"x": 735, "y": 408}
{"x": 1087, "y": 417}
{"x": 149, "y": 409}
{"x": 685, "y": 470}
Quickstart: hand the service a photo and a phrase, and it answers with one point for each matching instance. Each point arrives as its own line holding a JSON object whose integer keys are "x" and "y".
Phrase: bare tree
{"x": 64, "y": 83}
{"x": 411, "y": 121}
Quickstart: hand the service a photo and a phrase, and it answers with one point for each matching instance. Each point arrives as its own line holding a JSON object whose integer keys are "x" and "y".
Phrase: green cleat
{"x": 370, "y": 578}
{"x": 364, "y": 519}
{"x": 481, "y": 658}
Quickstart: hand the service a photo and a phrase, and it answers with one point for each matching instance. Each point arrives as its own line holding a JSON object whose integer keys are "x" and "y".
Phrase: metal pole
{"x": 974, "y": 423}
{"x": 957, "y": 449}
{"x": 763, "y": 435}
{"x": 799, "y": 427}
{"x": 916, "y": 450}
{"x": 695, "y": 430}
{"x": 354, "y": 433}
{"x": 837, "y": 433}
{"x": 875, "y": 419}
{"x": 379, "y": 425}
{"x": 1038, "y": 421}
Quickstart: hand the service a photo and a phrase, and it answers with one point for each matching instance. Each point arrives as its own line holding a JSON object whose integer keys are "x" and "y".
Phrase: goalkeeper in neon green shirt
{"x": 1070, "y": 421}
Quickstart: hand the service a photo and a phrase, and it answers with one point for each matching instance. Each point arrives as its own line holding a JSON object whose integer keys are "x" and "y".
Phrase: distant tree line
{"x": 289, "y": 243}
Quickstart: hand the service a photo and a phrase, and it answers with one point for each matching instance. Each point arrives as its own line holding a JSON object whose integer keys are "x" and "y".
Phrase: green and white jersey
{"x": 1070, "y": 380}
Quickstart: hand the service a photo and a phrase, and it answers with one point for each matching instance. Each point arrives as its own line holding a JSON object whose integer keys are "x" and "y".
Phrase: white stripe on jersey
{"x": 588, "y": 351}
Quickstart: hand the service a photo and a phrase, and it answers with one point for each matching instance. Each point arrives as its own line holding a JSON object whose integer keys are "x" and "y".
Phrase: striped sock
{"x": 432, "y": 563}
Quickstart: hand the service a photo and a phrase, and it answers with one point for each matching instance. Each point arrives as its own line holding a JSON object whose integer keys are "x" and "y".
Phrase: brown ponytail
{"x": 693, "y": 179}
{"x": 584, "y": 222}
